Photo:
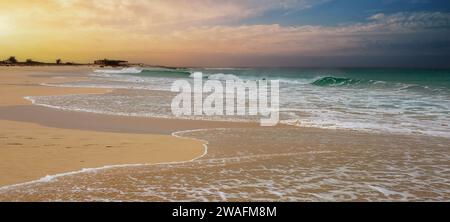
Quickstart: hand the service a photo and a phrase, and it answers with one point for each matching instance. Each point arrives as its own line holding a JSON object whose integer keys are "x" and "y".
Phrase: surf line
{"x": 50, "y": 178}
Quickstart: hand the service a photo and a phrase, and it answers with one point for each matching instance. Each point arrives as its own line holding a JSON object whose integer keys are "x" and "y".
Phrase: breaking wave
{"x": 338, "y": 81}
{"x": 163, "y": 72}
{"x": 131, "y": 70}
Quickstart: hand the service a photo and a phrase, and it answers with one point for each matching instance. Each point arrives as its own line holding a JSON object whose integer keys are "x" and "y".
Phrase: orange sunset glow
{"x": 208, "y": 33}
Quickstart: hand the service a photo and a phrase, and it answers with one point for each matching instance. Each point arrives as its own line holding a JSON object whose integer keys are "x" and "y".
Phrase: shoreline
{"x": 122, "y": 142}
{"x": 49, "y": 178}
{"x": 30, "y": 151}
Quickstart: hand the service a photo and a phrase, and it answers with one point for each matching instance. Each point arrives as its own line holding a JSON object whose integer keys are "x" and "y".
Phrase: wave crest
{"x": 131, "y": 70}
{"x": 336, "y": 81}
{"x": 145, "y": 71}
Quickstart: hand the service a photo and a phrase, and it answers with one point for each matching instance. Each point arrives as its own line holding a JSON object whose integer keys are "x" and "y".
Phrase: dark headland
{"x": 12, "y": 61}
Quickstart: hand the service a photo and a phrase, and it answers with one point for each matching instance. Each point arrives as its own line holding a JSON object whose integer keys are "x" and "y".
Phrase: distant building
{"x": 107, "y": 62}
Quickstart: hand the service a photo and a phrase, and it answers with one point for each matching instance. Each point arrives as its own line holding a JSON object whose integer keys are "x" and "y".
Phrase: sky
{"x": 221, "y": 33}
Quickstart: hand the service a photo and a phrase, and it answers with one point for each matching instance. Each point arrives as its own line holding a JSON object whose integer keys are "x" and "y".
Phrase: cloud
{"x": 174, "y": 30}
{"x": 378, "y": 16}
{"x": 399, "y": 32}
{"x": 143, "y": 14}
{"x": 411, "y": 21}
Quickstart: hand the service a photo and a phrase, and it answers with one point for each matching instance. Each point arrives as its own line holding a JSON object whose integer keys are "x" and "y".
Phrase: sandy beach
{"x": 165, "y": 159}
{"x": 30, "y": 151}
{"x": 224, "y": 101}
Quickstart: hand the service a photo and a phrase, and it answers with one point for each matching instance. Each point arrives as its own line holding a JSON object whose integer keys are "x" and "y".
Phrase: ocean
{"x": 354, "y": 135}
{"x": 400, "y": 101}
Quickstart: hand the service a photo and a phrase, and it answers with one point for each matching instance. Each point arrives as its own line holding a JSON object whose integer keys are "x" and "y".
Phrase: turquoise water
{"x": 427, "y": 78}
{"x": 440, "y": 76}
{"x": 433, "y": 78}
{"x": 404, "y": 101}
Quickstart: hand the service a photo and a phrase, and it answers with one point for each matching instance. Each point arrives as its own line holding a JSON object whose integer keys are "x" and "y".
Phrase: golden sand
{"x": 31, "y": 151}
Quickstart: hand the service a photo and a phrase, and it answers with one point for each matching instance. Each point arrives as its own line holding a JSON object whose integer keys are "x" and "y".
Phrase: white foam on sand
{"x": 154, "y": 112}
{"x": 389, "y": 193}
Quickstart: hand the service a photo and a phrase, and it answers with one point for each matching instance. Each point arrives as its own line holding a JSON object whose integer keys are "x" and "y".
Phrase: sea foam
{"x": 119, "y": 71}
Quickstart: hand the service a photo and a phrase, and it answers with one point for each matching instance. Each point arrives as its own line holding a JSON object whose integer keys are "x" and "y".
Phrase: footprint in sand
{"x": 14, "y": 144}
{"x": 90, "y": 144}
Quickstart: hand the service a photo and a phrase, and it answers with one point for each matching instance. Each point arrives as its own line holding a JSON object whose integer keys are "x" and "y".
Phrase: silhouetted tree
{"x": 12, "y": 59}
{"x": 58, "y": 61}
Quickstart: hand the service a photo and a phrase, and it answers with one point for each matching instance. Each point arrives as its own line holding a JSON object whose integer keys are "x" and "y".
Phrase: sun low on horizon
{"x": 229, "y": 33}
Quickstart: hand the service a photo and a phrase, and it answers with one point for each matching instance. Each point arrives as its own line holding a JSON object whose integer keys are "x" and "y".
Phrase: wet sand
{"x": 108, "y": 123}
{"x": 243, "y": 163}
{"x": 37, "y": 143}
{"x": 271, "y": 164}
{"x": 30, "y": 151}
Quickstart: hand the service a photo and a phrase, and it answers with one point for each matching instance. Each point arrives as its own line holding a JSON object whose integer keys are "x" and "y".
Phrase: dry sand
{"x": 29, "y": 151}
